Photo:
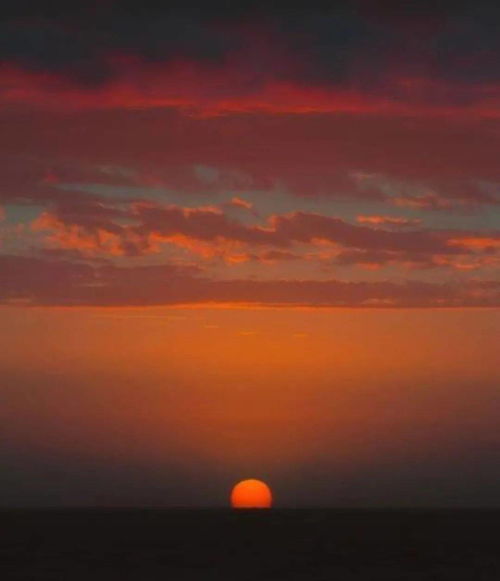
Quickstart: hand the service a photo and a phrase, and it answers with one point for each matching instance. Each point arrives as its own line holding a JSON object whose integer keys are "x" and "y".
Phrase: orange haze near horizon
{"x": 248, "y": 391}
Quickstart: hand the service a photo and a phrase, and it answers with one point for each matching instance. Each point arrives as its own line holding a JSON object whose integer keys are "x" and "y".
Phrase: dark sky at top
{"x": 355, "y": 40}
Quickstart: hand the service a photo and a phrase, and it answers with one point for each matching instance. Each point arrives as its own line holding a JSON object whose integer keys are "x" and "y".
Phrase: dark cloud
{"x": 23, "y": 278}
{"x": 432, "y": 163}
{"x": 414, "y": 260}
{"x": 305, "y": 227}
{"x": 36, "y": 281}
{"x": 352, "y": 42}
{"x": 76, "y": 40}
{"x": 36, "y": 180}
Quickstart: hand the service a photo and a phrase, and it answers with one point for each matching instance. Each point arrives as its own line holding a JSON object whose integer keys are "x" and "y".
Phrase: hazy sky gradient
{"x": 335, "y": 407}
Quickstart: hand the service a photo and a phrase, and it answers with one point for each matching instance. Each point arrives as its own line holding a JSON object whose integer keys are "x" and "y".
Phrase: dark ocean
{"x": 257, "y": 545}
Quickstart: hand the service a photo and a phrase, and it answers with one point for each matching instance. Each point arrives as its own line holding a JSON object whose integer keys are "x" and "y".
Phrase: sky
{"x": 249, "y": 240}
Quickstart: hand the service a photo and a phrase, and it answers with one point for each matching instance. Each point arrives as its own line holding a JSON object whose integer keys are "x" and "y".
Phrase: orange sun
{"x": 251, "y": 494}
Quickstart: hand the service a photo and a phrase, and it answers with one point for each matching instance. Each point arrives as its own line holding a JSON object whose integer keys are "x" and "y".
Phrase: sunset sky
{"x": 249, "y": 239}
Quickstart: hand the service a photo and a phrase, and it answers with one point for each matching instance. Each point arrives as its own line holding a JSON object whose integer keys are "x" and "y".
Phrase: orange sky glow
{"x": 267, "y": 391}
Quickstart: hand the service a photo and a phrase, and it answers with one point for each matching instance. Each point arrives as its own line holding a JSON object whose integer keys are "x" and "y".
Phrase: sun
{"x": 251, "y": 493}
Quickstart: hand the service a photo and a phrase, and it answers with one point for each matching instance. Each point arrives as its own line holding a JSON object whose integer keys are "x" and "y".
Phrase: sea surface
{"x": 257, "y": 545}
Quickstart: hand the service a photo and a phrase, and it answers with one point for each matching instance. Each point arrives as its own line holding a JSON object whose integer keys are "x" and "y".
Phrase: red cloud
{"x": 240, "y": 203}
{"x": 389, "y": 221}
{"x": 208, "y": 90}
{"x": 143, "y": 227}
{"x": 100, "y": 141}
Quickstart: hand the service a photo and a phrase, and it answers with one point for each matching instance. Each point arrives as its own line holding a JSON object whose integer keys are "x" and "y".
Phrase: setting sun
{"x": 251, "y": 494}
